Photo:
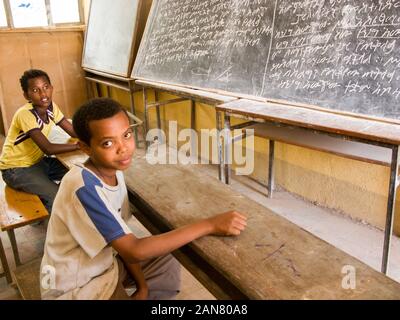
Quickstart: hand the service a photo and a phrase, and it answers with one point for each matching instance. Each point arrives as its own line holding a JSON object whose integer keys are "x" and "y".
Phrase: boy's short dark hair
{"x": 94, "y": 109}
{"x": 31, "y": 74}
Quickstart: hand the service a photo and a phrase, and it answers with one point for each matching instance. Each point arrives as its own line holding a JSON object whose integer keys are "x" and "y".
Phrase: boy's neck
{"x": 40, "y": 111}
{"x": 109, "y": 178}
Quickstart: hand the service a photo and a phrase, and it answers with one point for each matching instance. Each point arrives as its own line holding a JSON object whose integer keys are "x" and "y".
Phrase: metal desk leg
{"x": 193, "y": 114}
{"x": 390, "y": 208}
{"x": 227, "y": 143}
{"x": 133, "y": 110}
{"x": 98, "y": 90}
{"x": 4, "y": 263}
{"x": 271, "y": 173}
{"x": 193, "y": 127}
{"x": 14, "y": 246}
{"x": 156, "y": 97}
{"x": 219, "y": 145}
{"x": 146, "y": 118}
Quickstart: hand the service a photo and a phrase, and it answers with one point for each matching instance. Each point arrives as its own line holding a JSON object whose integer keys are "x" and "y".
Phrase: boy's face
{"x": 40, "y": 92}
{"x": 112, "y": 144}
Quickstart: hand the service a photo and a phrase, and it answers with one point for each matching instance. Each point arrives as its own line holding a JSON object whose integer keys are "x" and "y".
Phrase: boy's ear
{"x": 84, "y": 147}
{"x": 26, "y": 96}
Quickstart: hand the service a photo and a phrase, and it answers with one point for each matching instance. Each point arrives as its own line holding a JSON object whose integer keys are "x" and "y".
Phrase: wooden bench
{"x": 271, "y": 259}
{"x": 17, "y": 209}
{"x": 374, "y": 141}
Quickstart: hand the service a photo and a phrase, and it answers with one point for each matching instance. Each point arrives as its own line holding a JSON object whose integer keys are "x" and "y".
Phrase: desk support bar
{"x": 11, "y": 235}
{"x": 228, "y": 147}
{"x": 6, "y": 269}
{"x": 138, "y": 122}
{"x": 146, "y": 118}
{"x": 156, "y": 98}
{"x": 271, "y": 173}
{"x": 390, "y": 208}
{"x": 157, "y": 104}
{"x": 163, "y": 103}
{"x": 219, "y": 144}
{"x": 133, "y": 111}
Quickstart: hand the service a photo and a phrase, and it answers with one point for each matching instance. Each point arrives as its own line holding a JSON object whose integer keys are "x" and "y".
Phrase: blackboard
{"x": 112, "y": 31}
{"x": 335, "y": 54}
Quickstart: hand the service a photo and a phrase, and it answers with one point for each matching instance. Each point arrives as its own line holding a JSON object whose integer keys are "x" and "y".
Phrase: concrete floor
{"x": 357, "y": 239}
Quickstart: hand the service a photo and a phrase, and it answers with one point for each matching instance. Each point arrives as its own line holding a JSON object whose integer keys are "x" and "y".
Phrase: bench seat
{"x": 17, "y": 209}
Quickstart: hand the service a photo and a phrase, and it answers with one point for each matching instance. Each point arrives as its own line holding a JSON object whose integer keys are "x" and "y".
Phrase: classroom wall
{"x": 354, "y": 188}
{"x": 57, "y": 52}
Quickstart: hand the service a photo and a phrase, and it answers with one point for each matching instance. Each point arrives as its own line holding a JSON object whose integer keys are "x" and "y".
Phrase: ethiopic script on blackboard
{"x": 336, "y": 54}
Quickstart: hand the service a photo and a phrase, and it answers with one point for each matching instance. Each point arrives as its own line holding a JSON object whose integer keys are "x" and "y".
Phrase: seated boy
{"x": 23, "y": 163}
{"x": 79, "y": 260}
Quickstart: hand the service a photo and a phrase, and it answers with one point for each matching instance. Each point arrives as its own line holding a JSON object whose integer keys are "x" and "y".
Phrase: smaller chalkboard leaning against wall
{"x": 113, "y": 35}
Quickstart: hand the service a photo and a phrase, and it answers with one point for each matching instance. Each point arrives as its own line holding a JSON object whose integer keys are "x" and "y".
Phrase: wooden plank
{"x": 107, "y": 75}
{"x": 115, "y": 84}
{"x": 271, "y": 259}
{"x": 341, "y": 147}
{"x": 71, "y": 158}
{"x": 19, "y": 208}
{"x": 315, "y": 119}
{"x": 199, "y": 95}
{"x": 27, "y": 280}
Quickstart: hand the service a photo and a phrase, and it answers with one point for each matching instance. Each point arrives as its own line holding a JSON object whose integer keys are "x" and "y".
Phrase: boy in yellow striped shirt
{"x": 24, "y": 162}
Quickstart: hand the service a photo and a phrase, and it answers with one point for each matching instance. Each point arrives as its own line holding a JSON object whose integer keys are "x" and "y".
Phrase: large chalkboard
{"x": 112, "y": 31}
{"x": 335, "y": 54}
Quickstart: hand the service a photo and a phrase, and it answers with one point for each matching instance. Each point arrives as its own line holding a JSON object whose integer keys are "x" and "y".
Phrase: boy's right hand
{"x": 228, "y": 223}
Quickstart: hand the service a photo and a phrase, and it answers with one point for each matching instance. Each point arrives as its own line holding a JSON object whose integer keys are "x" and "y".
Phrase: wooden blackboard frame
{"x": 142, "y": 10}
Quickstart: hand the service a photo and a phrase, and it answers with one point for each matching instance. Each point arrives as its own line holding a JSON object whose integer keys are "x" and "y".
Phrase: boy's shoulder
{"x": 26, "y": 108}
{"x": 79, "y": 177}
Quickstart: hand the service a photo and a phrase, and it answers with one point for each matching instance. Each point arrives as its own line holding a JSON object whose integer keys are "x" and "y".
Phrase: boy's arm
{"x": 67, "y": 127}
{"x": 133, "y": 250}
{"x": 51, "y": 148}
{"x": 142, "y": 290}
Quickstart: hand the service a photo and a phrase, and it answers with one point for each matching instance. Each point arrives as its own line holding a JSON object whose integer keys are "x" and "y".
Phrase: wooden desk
{"x": 70, "y": 158}
{"x": 271, "y": 259}
{"x": 377, "y": 134}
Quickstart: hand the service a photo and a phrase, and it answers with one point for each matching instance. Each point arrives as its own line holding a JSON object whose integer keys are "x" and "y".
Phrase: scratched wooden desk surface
{"x": 272, "y": 258}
